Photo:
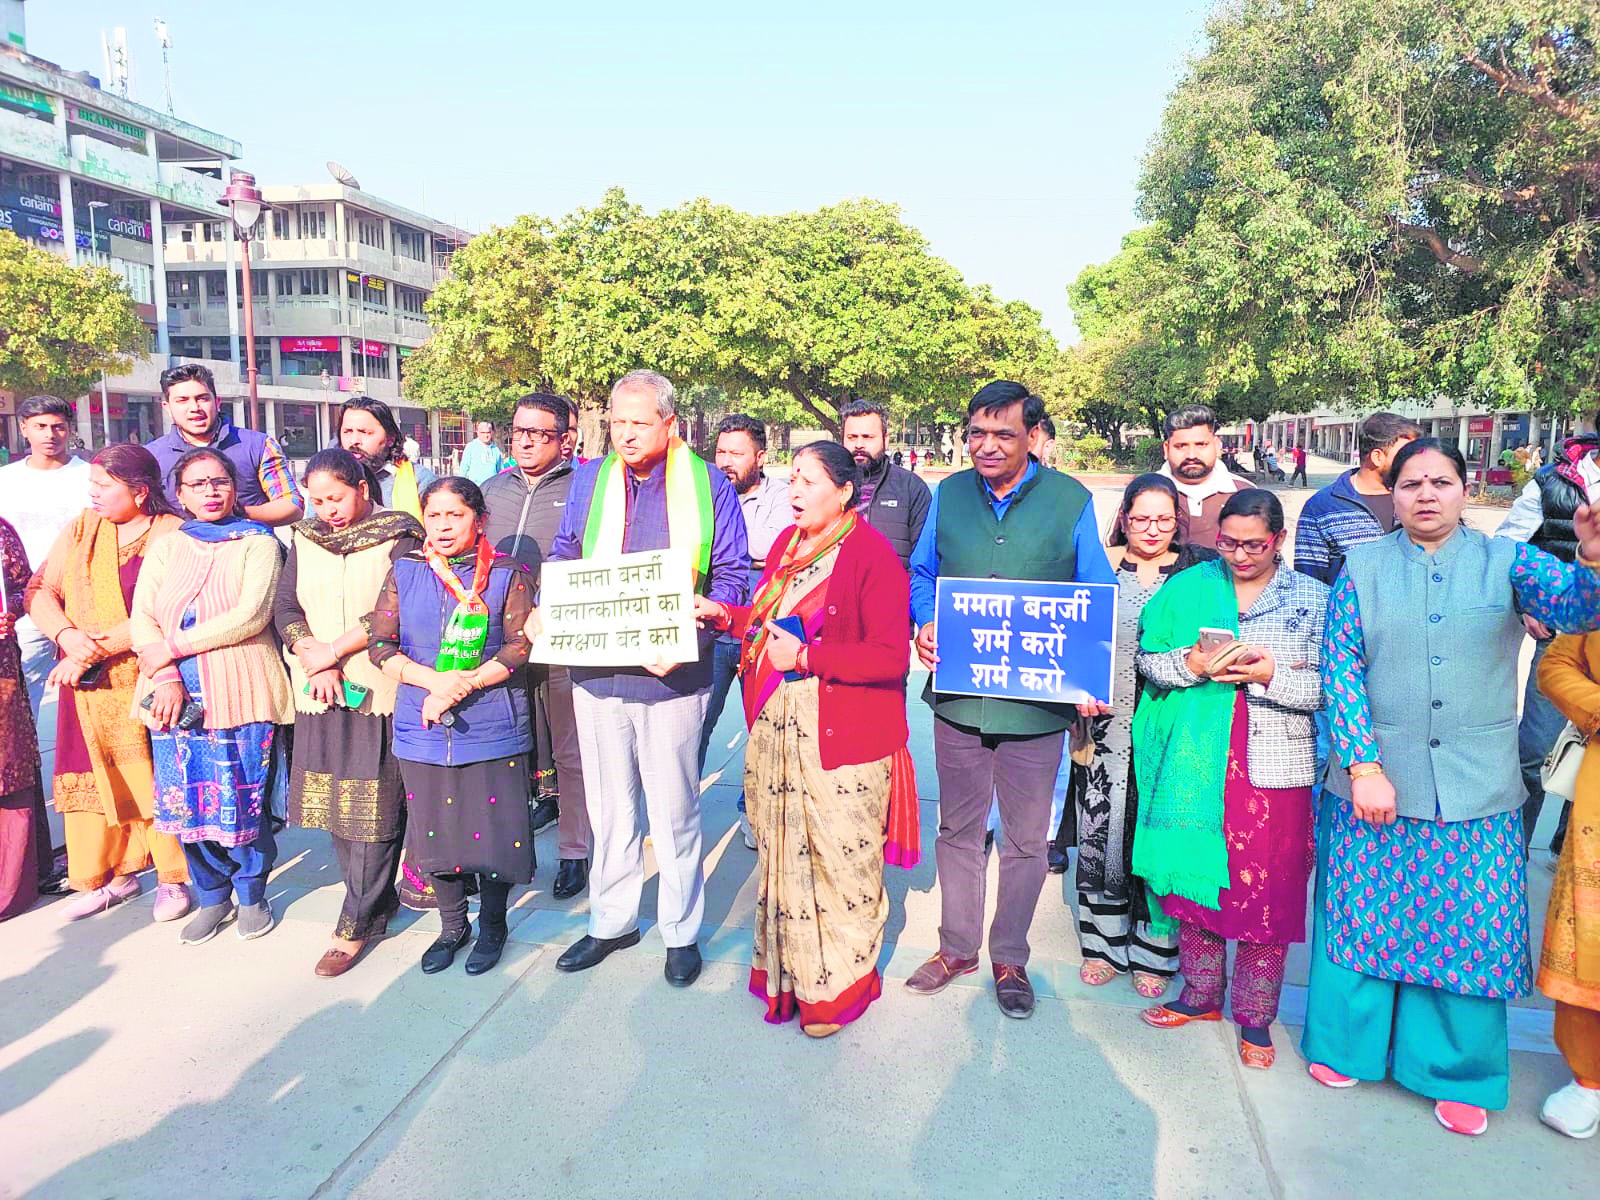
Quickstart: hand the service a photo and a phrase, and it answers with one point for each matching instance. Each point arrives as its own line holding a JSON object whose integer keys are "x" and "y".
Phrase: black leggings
{"x": 452, "y": 893}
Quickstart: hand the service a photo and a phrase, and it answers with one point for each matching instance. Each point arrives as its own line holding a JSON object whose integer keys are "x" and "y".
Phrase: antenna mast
{"x": 165, "y": 39}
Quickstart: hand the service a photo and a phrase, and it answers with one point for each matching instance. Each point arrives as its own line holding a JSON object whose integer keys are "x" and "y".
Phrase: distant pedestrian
{"x": 482, "y": 459}
{"x": 1299, "y": 454}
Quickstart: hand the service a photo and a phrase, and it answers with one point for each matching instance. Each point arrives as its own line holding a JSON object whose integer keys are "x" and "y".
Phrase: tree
{"x": 60, "y": 325}
{"x": 1367, "y": 199}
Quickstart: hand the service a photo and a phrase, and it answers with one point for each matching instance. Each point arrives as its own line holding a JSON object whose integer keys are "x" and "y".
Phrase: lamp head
{"x": 243, "y": 201}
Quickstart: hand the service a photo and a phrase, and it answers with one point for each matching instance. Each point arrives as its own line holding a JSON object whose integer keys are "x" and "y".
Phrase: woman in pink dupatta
{"x": 827, "y": 760}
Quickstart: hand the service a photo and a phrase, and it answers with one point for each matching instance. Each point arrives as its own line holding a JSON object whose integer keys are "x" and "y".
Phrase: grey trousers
{"x": 554, "y": 696}
{"x": 1021, "y": 773}
{"x": 639, "y": 765}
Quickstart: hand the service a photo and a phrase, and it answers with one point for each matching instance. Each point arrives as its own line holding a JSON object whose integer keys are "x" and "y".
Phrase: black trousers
{"x": 370, "y": 899}
{"x": 452, "y": 893}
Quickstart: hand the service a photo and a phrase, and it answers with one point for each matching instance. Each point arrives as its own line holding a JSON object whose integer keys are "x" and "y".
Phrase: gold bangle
{"x": 1584, "y": 562}
{"x": 1363, "y": 770}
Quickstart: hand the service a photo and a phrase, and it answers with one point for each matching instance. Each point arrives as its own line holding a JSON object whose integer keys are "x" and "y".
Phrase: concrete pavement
{"x": 131, "y": 1067}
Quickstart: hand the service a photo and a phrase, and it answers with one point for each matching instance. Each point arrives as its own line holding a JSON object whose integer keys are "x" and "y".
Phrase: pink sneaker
{"x": 89, "y": 904}
{"x": 172, "y": 902}
{"x": 1328, "y": 1077}
{"x": 1466, "y": 1119}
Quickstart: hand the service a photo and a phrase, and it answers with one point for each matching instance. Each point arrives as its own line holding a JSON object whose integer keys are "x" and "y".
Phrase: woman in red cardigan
{"x": 827, "y": 719}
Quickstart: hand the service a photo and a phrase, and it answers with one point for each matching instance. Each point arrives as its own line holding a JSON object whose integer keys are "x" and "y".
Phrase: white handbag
{"x": 1559, "y": 774}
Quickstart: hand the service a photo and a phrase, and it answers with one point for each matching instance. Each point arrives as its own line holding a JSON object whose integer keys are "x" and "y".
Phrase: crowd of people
{"x": 222, "y": 664}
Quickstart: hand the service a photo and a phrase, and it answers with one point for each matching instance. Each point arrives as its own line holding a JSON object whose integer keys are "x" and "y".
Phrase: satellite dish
{"x": 343, "y": 176}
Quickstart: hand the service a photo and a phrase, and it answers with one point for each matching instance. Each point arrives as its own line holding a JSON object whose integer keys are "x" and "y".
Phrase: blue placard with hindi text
{"x": 1051, "y": 642}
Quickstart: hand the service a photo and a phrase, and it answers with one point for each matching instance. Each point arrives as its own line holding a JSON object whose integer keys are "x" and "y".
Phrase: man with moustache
{"x": 1192, "y": 448}
{"x": 526, "y": 505}
{"x": 893, "y": 500}
{"x": 742, "y": 457}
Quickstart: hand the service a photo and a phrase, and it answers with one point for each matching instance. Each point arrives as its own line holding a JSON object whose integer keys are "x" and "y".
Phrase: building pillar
{"x": 69, "y": 222}
{"x": 341, "y": 234}
{"x": 158, "y": 239}
{"x": 344, "y": 352}
{"x": 1462, "y": 437}
{"x": 231, "y": 290}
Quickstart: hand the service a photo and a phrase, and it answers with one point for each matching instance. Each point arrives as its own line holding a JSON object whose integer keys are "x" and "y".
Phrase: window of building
{"x": 213, "y": 231}
{"x": 409, "y": 301}
{"x": 374, "y": 292}
{"x": 258, "y": 283}
{"x": 285, "y": 282}
{"x": 264, "y": 359}
{"x": 377, "y": 365}
{"x": 352, "y": 285}
{"x": 186, "y": 233}
{"x": 412, "y": 243}
{"x": 369, "y": 231}
{"x": 222, "y": 349}
{"x": 183, "y": 285}
{"x": 280, "y": 223}
{"x": 188, "y": 347}
{"x": 297, "y": 430}
{"x": 216, "y": 285}
{"x": 299, "y": 364}
{"x": 313, "y": 283}
{"x": 313, "y": 223}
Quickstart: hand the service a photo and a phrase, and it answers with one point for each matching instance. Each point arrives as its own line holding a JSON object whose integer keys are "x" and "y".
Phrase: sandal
{"x": 1259, "y": 1057}
{"x": 1096, "y": 972}
{"x": 1163, "y": 1017}
{"x": 1151, "y": 987}
{"x": 821, "y": 1029}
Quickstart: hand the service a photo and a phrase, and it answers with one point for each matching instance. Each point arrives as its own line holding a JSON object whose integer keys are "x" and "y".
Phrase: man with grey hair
{"x": 639, "y": 727}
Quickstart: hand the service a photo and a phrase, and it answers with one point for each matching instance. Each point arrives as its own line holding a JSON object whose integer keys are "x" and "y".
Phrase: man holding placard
{"x": 1005, "y": 519}
{"x": 639, "y": 725}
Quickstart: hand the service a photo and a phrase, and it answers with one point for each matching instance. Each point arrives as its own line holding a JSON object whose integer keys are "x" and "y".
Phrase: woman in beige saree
{"x": 827, "y": 746}
{"x": 104, "y": 781}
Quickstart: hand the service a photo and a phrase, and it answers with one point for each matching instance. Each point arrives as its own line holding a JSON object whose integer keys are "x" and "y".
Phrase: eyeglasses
{"x": 1163, "y": 523}
{"x": 529, "y": 434}
{"x": 219, "y": 484}
{"x": 1252, "y": 547}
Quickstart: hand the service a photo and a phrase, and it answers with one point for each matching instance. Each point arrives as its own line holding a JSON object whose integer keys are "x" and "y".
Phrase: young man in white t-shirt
{"x": 39, "y": 495}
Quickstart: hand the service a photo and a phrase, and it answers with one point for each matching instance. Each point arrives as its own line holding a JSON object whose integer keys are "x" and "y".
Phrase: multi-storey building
{"x": 338, "y": 282}
{"x": 98, "y": 178}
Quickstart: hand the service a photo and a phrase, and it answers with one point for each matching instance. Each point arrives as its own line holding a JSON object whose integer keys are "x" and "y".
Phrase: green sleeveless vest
{"x": 1033, "y": 541}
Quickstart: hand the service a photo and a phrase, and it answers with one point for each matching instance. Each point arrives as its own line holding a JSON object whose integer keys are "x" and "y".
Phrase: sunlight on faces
{"x": 1429, "y": 497}
{"x": 739, "y": 460}
{"x": 1192, "y": 452}
{"x": 205, "y": 491}
{"x": 113, "y": 500}
{"x": 47, "y": 435}
{"x": 451, "y": 525}
{"x": 335, "y": 502}
{"x": 1253, "y": 546}
{"x": 192, "y": 408}
{"x": 360, "y": 433}
{"x": 1151, "y": 524}
{"x": 865, "y": 438}
{"x": 535, "y": 444}
{"x": 638, "y": 433}
{"x": 816, "y": 501}
{"x": 998, "y": 443}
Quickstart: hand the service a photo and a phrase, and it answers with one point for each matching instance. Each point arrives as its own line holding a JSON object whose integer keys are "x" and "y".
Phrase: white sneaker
{"x": 1574, "y": 1111}
{"x": 744, "y": 829}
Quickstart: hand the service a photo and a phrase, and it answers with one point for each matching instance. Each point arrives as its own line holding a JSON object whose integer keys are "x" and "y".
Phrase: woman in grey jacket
{"x": 1229, "y": 747}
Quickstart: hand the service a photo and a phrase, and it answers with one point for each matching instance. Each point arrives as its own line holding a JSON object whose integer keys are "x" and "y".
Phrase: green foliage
{"x": 1148, "y": 455}
{"x": 1355, "y": 201}
{"x": 1088, "y": 452}
{"x": 791, "y": 315}
{"x": 61, "y": 325}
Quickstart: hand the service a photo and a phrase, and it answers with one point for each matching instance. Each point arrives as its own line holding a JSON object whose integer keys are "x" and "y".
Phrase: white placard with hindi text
{"x": 617, "y": 610}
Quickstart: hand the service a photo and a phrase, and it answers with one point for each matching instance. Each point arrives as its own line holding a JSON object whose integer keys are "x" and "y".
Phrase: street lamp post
{"x": 244, "y": 204}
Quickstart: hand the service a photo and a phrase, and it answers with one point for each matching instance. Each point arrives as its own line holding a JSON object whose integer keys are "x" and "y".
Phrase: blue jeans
{"x": 1540, "y": 726}
{"x": 724, "y": 670}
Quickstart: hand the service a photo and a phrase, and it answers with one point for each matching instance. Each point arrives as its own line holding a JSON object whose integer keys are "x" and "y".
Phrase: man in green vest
{"x": 1006, "y": 518}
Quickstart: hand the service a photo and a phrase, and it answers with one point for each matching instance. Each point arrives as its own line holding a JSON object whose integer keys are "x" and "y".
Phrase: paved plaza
{"x": 133, "y": 1067}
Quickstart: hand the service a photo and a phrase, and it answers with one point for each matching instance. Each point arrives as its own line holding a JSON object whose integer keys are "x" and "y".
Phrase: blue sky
{"x": 1009, "y": 133}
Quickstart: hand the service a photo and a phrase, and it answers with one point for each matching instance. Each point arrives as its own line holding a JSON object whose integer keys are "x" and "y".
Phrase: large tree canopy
{"x": 61, "y": 325}
{"x": 1357, "y": 200}
{"x": 792, "y": 315}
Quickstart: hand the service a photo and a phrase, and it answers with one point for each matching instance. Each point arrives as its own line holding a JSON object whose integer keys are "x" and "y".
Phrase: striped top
{"x": 230, "y": 586}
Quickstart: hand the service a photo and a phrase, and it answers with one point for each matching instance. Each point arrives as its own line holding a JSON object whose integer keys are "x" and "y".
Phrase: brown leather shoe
{"x": 1012, "y": 990}
{"x": 334, "y": 963}
{"x": 935, "y": 974}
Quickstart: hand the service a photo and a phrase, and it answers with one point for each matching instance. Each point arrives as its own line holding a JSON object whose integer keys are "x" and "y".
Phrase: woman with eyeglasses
{"x": 1146, "y": 548}
{"x": 215, "y": 696}
{"x": 1422, "y": 937}
{"x": 1225, "y": 753}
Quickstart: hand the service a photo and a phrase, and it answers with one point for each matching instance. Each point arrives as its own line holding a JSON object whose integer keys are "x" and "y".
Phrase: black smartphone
{"x": 193, "y": 712}
{"x": 92, "y": 674}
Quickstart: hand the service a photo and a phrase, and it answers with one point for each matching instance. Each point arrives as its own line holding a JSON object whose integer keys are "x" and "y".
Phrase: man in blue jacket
{"x": 1356, "y": 507}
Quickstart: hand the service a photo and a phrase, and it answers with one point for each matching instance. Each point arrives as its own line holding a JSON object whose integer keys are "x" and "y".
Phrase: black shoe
{"x": 683, "y": 964}
{"x": 1057, "y": 861}
{"x": 572, "y": 876}
{"x": 988, "y": 841}
{"x": 443, "y": 952}
{"x": 588, "y": 951}
{"x": 486, "y": 950}
{"x": 545, "y": 813}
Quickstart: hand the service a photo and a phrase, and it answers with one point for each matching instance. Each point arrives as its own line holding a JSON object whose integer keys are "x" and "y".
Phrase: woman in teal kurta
{"x": 1421, "y": 930}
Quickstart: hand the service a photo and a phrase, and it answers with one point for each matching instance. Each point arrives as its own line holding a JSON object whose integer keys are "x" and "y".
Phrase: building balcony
{"x": 191, "y": 190}
{"x": 33, "y": 141}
